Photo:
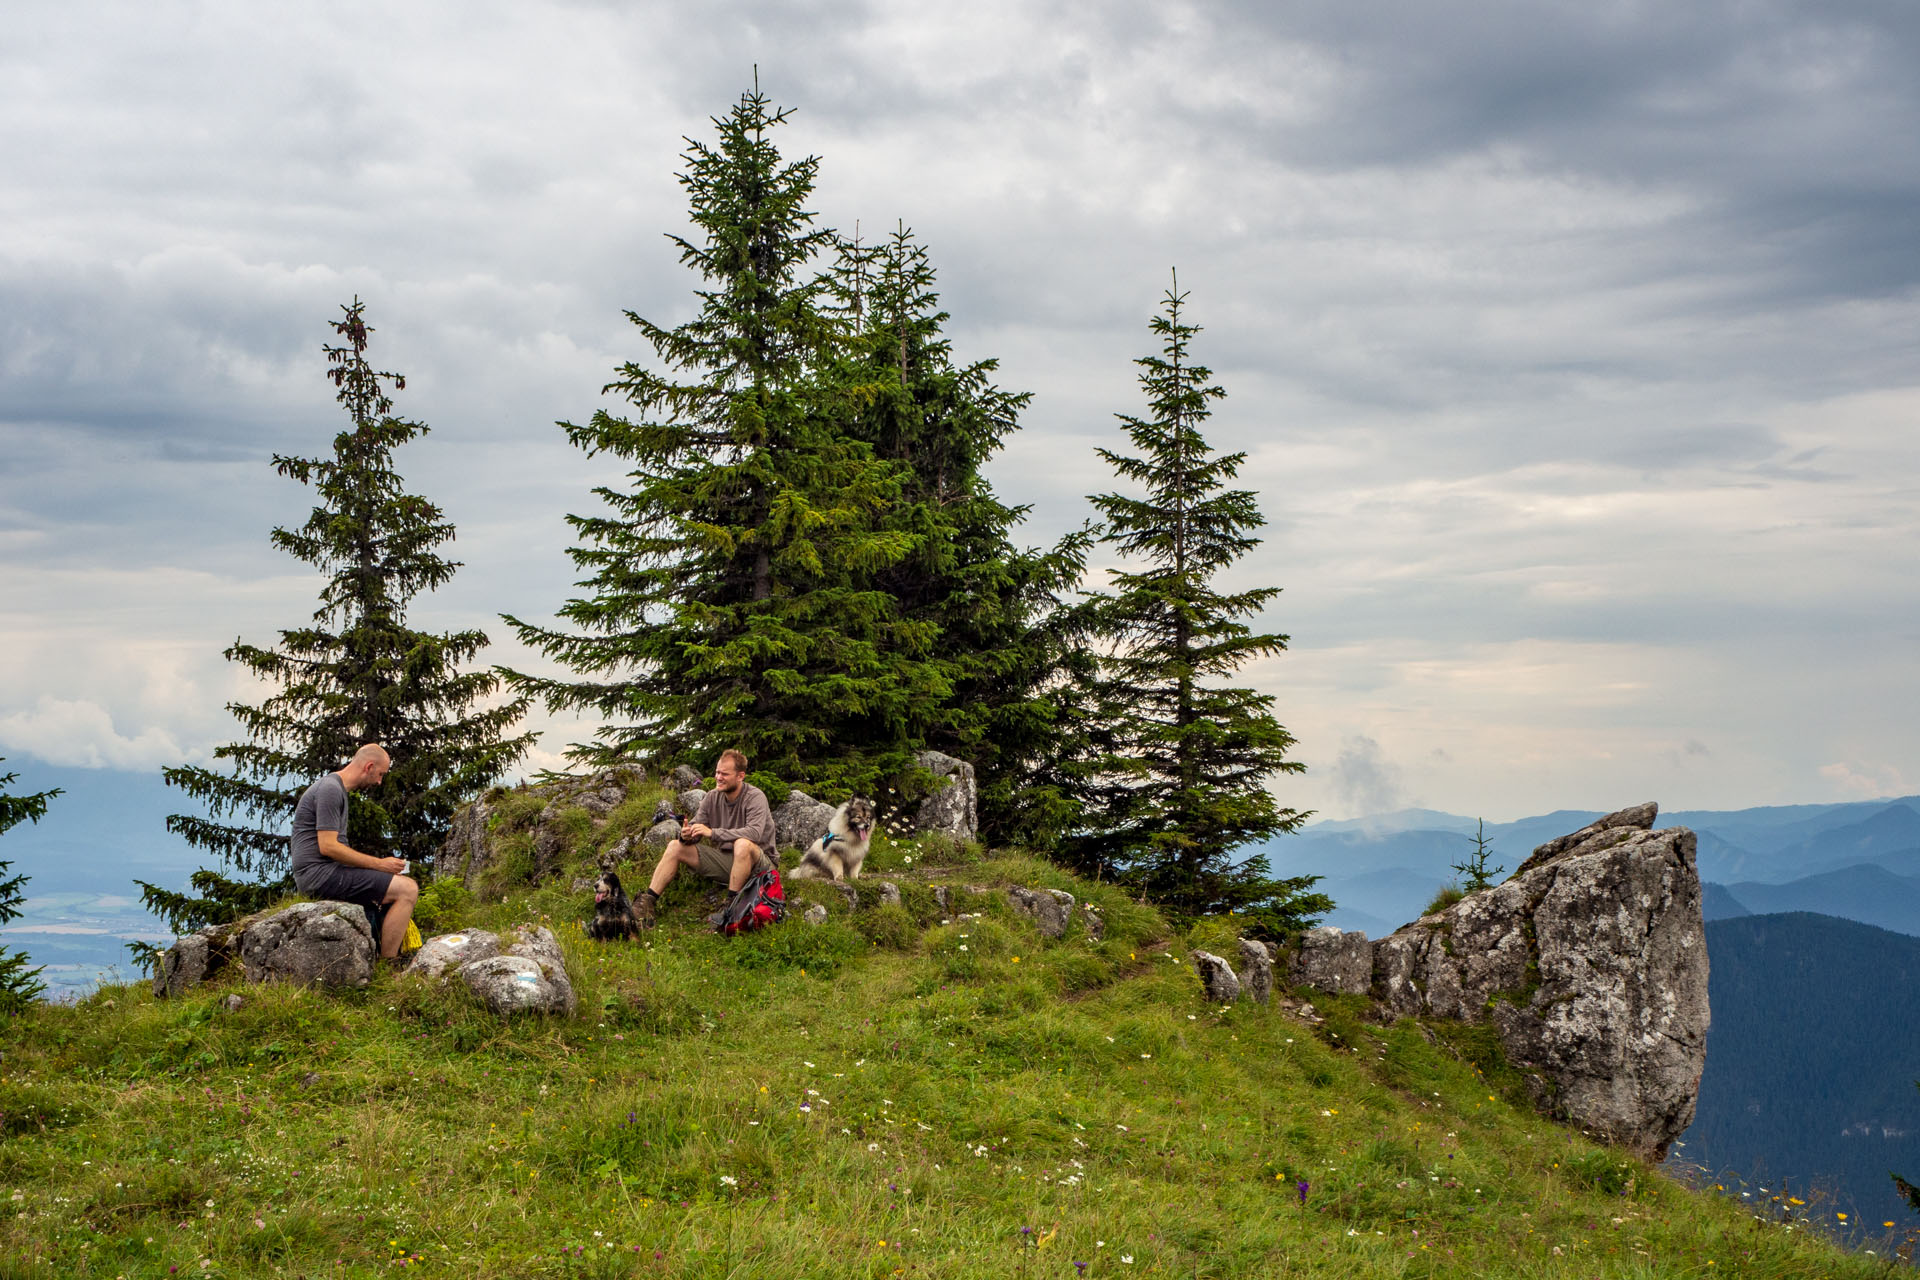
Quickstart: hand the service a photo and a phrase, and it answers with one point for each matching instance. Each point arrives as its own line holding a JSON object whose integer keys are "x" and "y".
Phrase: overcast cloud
{"x": 1575, "y": 348}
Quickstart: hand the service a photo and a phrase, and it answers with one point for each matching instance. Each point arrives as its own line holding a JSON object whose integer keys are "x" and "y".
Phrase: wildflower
{"x": 726, "y": 1180}
{"x": 1303, "y": 1192}
{"x": 1127, "y": 1258}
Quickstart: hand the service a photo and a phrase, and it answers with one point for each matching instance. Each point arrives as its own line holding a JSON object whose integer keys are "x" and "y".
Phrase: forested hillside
{"x": 1811, "y": 1061}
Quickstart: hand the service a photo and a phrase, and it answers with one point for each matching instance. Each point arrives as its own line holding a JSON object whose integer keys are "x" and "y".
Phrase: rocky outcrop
{"x": 1049, "y": 909}
{"x": 684, "y": 777}
{"x": 1331, "y": 959}
{"x": 1256, "y": 970}
{"x": 800, "y": 820}
{"x": 953, "y": 808}
{"x": 1217, "y": 978}
{"x": 1591, "y": 963}
{"x": 193, "y": 959}
{"x": 469, "y": 845}
{"x": 325, "y": 944}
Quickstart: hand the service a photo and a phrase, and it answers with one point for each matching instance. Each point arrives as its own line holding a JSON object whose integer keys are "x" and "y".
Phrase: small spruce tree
{"x": 1179, "y": 761}
{"x": 731, "y": 597}
{"x": 1474, "y": 875}
{"x": 20, "y": 983}
{"x": 357, "y": 674}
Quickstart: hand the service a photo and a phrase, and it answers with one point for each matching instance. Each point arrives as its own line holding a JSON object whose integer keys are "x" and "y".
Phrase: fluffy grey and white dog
{"x": 837, "y": 855}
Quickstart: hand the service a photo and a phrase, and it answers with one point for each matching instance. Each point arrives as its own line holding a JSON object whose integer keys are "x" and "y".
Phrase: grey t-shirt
{"x": 322, "y": 807}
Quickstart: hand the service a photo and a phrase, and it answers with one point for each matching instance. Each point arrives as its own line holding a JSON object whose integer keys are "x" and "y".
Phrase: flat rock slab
{"x": 324, "y": 944}
{"x": 448, "y": 951}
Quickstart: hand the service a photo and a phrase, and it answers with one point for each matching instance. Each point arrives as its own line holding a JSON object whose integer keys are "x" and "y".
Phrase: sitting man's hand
{"x": 695, "y": 831}
{"x": 395, "y": 865}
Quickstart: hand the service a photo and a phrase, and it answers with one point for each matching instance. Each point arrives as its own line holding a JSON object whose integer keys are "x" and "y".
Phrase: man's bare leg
{"x": 678, "y": 853}
{"x": 745, "y": 855}
{"x": 402, "y": 893}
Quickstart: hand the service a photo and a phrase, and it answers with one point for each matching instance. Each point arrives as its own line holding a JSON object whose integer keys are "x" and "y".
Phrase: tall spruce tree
{"x": 1177, "y": 778}
{"x": 358, "y": 674}
{"x": 730, "y": 597}
{"x": 995, "y": 606}
{"x": 20, "y": 981}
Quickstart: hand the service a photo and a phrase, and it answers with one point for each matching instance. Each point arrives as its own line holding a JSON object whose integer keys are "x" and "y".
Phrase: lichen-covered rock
{"x": 1217, "y": 979}
{"x": 450, "y": 951}
{"x": 1591, "y": 963}
{"x": 530, "y": 976}
{"x": 690, "y": 801}
{"x": 1049, "y": 909}
{"x": 815, "y": 914}
{"x": 470, "y": 845}
{"x": 800, "y": 820}
{"x": 889, "y": 894}
{"x": 953, "y": 808}
{"x": 660, "y": 835}
{"x": 684, "y": 777}
{"x": 1256, "y": 969}
{"x": 943, "y": 898}
{"x": 848, "y": 892}
{"x": 327, "y": 944}
{"x": 1330, "y": 959}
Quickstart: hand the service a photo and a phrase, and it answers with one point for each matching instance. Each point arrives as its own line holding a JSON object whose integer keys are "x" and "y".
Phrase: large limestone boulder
{"x": 1591, "y": 963}
{"x": 954, "y": 806}
{"x": 684, "y": 777}
{"x": 529, "y": 977}
{"x": 800, "y": 820}
{"x": 325, "y": 944}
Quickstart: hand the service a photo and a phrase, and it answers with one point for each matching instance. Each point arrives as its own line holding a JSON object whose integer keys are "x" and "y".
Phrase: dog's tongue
{"x": 599, "y": 895}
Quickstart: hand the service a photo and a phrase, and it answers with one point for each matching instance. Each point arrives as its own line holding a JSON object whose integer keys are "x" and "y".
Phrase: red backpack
{"x": 761, "y": 901}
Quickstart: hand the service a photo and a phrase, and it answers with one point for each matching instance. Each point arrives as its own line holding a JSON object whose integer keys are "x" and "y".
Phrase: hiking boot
{"x": 643, "y": 905}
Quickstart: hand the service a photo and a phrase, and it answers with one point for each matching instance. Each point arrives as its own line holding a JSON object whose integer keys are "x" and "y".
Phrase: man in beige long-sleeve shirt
{"x": 728, "y": 840}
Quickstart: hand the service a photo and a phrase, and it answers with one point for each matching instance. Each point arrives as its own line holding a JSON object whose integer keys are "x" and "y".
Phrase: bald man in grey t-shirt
{"x": 323, "y": 865}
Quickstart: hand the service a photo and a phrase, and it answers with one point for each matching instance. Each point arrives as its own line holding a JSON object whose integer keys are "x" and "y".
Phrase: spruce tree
{"x": 729, "y": 597}
{"x": 357, "y": 674}
{"x": 20, "y": 981}
{"x": 994, "y": 605}
{"x": 1180, "y": 761}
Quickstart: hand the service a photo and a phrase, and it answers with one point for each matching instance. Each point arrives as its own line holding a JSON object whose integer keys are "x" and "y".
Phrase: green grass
{"x": 879, "y": 1096}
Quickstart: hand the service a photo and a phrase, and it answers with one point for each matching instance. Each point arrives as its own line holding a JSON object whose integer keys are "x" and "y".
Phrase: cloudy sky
{"x": 1575, "y": 347}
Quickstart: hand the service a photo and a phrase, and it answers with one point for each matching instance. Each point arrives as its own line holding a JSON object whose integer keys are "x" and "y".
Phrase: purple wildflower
{"x": 1303, "y": 1191}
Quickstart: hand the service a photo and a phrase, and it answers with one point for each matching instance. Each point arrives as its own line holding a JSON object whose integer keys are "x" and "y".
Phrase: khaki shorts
{"x": 717, "y": 863}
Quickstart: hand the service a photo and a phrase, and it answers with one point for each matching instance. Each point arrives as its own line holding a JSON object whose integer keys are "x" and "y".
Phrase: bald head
{"x": 367, "y": 768}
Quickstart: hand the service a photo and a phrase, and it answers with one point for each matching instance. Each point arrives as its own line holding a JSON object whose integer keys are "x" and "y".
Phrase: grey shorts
{"x": 717, "y": 863}
{"x": 337, "y": 882}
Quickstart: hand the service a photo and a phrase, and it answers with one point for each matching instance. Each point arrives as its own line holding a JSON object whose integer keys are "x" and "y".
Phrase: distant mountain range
{"x": 1859, "y": 861}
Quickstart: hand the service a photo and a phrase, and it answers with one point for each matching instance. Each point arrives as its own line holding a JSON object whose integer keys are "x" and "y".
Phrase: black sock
{"x": 649, "y": 893}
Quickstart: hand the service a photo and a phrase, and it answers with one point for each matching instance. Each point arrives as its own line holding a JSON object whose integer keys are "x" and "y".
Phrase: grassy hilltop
{"x": 883, "y": 1095}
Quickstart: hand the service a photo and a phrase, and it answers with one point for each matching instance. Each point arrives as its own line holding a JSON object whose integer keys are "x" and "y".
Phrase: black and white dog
{"x": 613, "y": 916}
{"x": 838, "y": 854}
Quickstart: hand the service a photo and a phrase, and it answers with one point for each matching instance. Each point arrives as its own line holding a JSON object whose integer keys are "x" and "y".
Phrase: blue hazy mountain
{"x": 1811, "y": 1059}
{"x": 1864, "y": 892}
{"x": 1718, "y": 904}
